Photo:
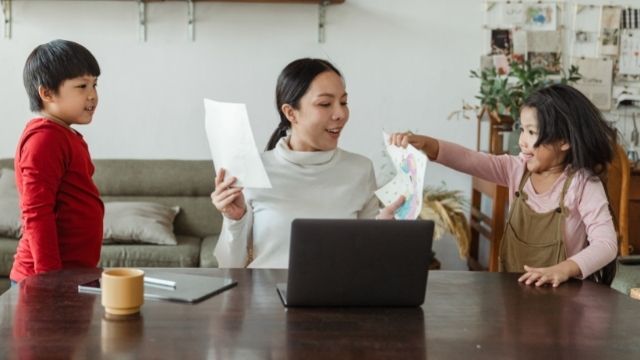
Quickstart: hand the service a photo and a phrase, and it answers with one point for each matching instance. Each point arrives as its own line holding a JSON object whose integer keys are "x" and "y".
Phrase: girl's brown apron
{"x": 531, "y": 238}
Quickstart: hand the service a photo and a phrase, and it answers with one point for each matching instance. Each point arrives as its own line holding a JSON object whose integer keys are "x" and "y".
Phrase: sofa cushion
{"x": 184, "y": 183}
{"x": 206, "y": 252}
{"x": 185, "y": 254}
{"x": 10, "y": 225}
{"x": 8, "y": 249}
{"x": 139, "y": 222}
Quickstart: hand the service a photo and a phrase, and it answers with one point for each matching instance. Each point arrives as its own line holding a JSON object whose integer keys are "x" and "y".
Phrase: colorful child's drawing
{"x": 409, "y": 209}
{"x": 410, "y": 165}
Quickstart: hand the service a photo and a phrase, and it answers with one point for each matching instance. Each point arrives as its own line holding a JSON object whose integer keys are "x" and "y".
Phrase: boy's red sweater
{"x": 62, "y": 212}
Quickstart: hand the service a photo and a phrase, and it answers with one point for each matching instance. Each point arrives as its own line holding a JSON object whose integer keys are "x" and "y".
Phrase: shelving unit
{"x": 191, "y": 9}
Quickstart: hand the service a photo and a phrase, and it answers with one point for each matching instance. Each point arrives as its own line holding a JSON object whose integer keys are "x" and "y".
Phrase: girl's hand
{"x": 228, "y": 199}
{"x": 388, "y": 212}
{"x": 427, "y": 144}
{"x": 554, "y": 275}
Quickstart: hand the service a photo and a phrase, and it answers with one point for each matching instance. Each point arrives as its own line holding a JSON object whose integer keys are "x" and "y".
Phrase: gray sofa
{"x": 184, "y": 183}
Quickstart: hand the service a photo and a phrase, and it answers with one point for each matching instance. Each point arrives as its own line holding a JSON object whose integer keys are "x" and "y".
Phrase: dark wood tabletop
{"x": 474, "y": 315}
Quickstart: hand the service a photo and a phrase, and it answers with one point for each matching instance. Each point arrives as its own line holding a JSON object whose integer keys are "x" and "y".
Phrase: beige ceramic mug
{"x": 122, "y": 290}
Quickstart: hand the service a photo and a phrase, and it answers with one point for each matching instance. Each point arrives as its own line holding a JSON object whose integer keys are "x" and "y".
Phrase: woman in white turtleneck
{"x": 310, "y": 176}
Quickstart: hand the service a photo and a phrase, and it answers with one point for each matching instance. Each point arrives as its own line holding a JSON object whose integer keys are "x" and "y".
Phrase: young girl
{"x": 559, "y": 223}
{"x": 311, "y": 176}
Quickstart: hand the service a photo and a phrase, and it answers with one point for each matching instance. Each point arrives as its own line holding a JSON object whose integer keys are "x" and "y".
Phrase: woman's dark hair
{"x": 565, "y": 114}
{"x": 50, "y": 64}
{"x": 293, "y": 83}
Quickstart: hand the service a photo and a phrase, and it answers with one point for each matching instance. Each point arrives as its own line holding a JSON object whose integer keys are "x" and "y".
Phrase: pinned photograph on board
{"x": 501, "y": 63}
{"x": 486, "y": 62}
{"x": 541, "y": 17}
{"x": 610, "y": 30}
{"x": 550, "y": 61}
{"x": 513, "y": 13}
{"x": 583, "y": 37}
{"x": 501, "y": 41}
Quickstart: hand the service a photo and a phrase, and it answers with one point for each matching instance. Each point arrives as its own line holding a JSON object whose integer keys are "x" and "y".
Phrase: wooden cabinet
{"x": 634, "y": 211}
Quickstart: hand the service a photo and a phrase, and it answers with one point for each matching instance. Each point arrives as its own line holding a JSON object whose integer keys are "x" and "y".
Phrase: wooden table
{"x": 474, "y": 315}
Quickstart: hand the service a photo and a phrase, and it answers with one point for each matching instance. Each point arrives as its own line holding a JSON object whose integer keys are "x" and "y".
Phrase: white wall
{"x": 406, "y": 64}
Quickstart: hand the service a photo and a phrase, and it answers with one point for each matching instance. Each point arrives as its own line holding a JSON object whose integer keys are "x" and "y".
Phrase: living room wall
{"x": 406, "y": 66}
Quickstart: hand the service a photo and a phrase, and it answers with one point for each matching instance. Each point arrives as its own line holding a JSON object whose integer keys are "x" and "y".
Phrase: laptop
{"x": 357, "y": 262}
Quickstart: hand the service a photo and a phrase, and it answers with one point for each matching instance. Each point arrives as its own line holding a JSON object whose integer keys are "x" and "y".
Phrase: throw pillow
{"x": 10, "y": 225}
{"x": 139, "y": 222}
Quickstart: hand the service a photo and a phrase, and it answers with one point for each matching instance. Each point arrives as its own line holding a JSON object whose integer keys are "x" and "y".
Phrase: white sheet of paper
{"x": 410, "y": 165}
{"x": 232, "y": 145}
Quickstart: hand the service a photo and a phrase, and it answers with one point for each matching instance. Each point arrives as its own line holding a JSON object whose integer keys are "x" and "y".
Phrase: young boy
{"x": 61, "y": 208}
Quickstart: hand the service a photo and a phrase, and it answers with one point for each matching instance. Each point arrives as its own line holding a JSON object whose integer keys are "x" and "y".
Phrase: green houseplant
{"x": 503, "y": 94}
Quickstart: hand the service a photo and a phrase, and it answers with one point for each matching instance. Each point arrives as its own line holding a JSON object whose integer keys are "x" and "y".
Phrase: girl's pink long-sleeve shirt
{"x": 589, "y": 233}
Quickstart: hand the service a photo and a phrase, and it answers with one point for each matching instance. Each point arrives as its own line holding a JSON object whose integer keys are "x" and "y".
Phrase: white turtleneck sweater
{"x": 319, "y": 184}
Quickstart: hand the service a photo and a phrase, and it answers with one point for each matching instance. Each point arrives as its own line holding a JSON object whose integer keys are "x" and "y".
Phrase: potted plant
{"x": 502, "y": 95}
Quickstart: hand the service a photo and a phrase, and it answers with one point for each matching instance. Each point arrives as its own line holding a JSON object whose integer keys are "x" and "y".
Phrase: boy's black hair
{"x": 565, "y": 114}
{"x": 50, "y": 64}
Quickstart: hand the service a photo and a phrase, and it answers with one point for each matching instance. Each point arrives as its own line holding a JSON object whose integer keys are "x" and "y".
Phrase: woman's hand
{"x": 427, "y": 144}
{"x": 554, "y": 275}
{"x": 228, "y": 199}
{"x": 388, "y": 212}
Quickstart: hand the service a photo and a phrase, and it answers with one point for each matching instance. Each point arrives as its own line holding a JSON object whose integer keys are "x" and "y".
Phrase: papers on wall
{"x": 630, "y": 52}
{"x": 232, "y": 145}
{"x": 501, "y": 63}
{"x": 520, "y": 42}
{"x": 544, "y": 41}
{"x": 544, "y": 50}
{"x": 596, "y": 80}
{"x": 410, "y": 165}
{"x": 486, "y": 62}
{"x": 513, "y": 13}
{"x": 610, "y": 30}
{"x": 541, "y": 16}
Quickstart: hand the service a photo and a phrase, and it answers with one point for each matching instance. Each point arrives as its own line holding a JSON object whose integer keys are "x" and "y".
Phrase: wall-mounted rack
{"x": 6, "y": 16}
{"x": 191, "y": 10}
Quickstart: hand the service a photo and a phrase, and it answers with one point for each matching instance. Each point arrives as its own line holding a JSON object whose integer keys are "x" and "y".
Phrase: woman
{"x": 310, "y": 175}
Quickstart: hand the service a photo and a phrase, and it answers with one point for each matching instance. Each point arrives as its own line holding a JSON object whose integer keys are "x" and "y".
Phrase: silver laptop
{"x": 357, "y": 263}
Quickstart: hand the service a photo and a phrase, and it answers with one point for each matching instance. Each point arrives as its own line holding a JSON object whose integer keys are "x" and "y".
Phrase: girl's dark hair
{"x": 565, "y": 114}
{"x": 293, "y": 83}
{"x": 50, "y": 64}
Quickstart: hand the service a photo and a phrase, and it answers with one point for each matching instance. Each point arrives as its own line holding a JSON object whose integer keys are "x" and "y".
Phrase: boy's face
{"x": 74, "y": 103}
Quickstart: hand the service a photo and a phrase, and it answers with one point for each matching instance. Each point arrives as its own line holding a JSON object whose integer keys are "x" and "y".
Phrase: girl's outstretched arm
{"x": 428, "y": 145}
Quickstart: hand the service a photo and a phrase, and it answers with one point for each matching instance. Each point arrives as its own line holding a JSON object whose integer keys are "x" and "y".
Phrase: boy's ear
{"x": 45, "y": 94}
{"x": 289, "y": 112}
{"x": 565, "y": 146}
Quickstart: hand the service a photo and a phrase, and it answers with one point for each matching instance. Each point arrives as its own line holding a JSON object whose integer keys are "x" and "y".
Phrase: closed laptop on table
{"x": 357, "y": 263}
